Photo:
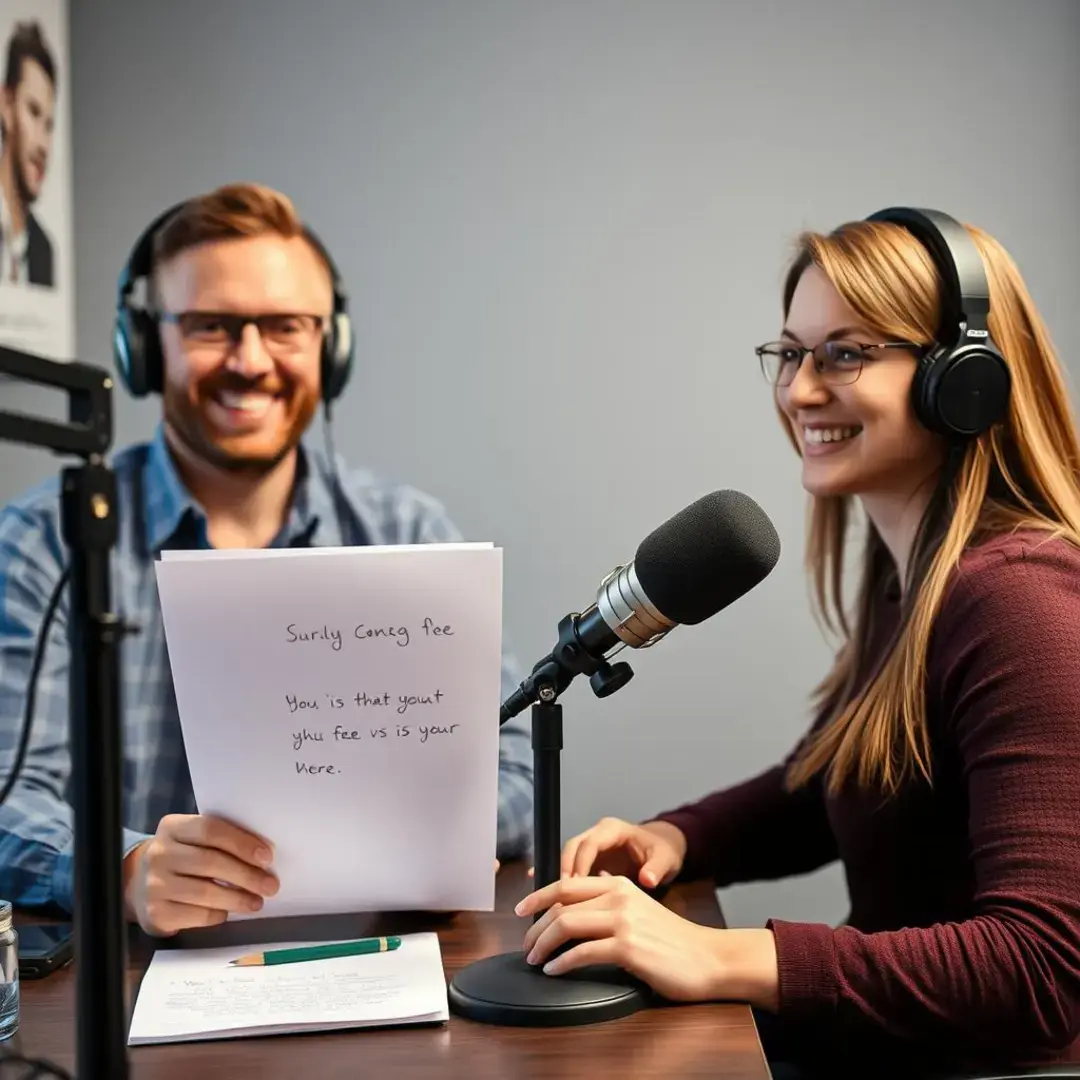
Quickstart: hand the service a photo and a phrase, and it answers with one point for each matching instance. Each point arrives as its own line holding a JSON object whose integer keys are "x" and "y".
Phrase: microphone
{"x": 697, "y": 563}
{"x": 685, "y": 571}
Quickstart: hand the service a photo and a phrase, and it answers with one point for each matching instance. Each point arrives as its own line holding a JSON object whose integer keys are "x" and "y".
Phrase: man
{"x": 27, "y": 118}
{"x": 242, "y": 299}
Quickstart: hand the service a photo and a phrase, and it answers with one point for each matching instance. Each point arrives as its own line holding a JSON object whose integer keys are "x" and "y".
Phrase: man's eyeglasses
{"x": 282, "y": 334}
{"x": 837, "y": 362}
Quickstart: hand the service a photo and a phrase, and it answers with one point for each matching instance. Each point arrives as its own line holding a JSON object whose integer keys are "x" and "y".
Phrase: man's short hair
{"x": 229, "y": 212}
{"x": 27, "y": 42}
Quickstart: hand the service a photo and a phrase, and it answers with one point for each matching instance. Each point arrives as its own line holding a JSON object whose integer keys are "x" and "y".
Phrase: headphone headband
{"x": 141, "y": 259}
{"x": 966, "y": 296}
{"x": 962, "y": 384}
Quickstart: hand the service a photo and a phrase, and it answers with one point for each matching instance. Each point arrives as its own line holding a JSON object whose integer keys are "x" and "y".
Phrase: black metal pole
{"x": 547, "y": 744}
{"x": 89, "y": 522}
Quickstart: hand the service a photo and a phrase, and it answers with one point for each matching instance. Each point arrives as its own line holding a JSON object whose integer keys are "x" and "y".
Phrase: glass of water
{"x": 9, "y": 973}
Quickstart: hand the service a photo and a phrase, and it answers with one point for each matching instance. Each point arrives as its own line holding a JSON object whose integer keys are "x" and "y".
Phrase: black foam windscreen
{"x": 707, "y": 556}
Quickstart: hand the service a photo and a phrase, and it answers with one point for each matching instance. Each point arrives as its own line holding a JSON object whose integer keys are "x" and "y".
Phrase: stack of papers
{"x": 343, "y": 703}
{"x": 194, "y": 994}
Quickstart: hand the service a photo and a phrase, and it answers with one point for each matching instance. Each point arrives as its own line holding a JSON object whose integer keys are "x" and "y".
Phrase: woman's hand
{"x": 616, "y": 923}
{"x": 652, "y": 854}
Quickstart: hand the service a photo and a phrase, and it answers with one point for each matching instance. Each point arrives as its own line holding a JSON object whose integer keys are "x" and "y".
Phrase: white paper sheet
{"x": 189, "y": 994}
{"x": 344, "y": 704}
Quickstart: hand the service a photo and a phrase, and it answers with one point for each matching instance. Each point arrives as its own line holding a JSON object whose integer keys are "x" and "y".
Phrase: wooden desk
{"x": 684, "y": 1041}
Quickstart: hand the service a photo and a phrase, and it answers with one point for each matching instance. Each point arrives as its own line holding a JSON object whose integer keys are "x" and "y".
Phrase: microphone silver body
{"x": 628, "y": 611}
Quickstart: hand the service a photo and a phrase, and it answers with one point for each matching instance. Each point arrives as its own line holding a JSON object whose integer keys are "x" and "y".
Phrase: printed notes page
{"x": 344, "y": 704}
{"x": 189, "y": 994}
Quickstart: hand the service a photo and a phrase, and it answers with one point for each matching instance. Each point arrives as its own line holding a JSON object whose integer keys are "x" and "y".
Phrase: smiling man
{"x": 242, "y": 299}
{"x": 27, "y": 119}
{"x": 242, "y": 338}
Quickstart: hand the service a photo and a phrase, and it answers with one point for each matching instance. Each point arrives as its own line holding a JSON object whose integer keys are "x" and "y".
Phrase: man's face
{"x": 240, "y": 397}
{"x": 29, "y": 115}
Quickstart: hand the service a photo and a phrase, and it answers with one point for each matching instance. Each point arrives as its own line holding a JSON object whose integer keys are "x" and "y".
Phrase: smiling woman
{"x": 917, "y": 383}
{"x": 850, "y": 412}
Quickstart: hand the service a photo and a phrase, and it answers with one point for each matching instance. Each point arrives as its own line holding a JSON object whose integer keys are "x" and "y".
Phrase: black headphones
{"x": 962, "y": 384}
{"x": 137, "y": 345}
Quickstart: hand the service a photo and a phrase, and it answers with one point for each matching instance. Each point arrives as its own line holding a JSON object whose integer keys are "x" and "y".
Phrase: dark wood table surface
{"x": 683, "y": 1041}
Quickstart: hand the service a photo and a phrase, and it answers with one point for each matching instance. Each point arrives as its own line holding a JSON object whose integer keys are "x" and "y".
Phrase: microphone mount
{"x": 551, "y": 676}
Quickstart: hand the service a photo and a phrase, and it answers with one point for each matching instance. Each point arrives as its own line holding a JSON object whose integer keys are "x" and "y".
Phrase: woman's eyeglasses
{"x": 837, "y": 362}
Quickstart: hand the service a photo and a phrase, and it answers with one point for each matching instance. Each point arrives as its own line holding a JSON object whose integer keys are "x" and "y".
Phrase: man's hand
{"x": 194, "y": 872}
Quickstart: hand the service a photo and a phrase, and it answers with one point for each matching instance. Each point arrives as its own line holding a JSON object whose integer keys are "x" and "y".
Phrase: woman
{"x": 943, "y": 765}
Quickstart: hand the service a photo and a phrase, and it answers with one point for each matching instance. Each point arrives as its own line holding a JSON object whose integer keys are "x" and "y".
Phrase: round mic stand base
{"x": 505, "y": 990}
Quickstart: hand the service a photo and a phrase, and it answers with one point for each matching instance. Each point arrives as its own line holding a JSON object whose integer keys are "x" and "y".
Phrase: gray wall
{"x": 564, "y": 227}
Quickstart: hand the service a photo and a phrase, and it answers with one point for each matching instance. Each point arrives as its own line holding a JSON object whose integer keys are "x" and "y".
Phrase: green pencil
{"x": 318, "y": 952}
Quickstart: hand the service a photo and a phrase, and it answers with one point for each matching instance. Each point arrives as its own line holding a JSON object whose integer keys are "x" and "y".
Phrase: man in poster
{"x": 27, "y": 118}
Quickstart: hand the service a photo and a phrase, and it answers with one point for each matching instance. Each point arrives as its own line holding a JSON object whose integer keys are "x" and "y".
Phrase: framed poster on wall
{"x": 37, "y": 273}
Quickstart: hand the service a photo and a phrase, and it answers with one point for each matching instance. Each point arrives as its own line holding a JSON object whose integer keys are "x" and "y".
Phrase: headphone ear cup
{"x": 128, "y": 351}
{"x": 961, "y": 392}
{"x": 971, "y": 393}
{"x": 922, "y": 388}
{"x": 337, "y": 356}
{"x": 153, "y": 358}
{"x": 137, "y": 352}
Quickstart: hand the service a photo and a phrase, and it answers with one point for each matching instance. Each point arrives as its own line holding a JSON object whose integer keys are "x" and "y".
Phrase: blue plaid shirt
{"x": 155, "y": 511}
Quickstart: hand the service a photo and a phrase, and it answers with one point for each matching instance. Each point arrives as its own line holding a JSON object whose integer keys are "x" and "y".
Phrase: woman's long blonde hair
{"x": 1024, "y": 472}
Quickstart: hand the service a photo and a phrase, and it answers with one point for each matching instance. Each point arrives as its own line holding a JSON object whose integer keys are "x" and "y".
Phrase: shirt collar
{"x": 15, "y": 247}
{"x": 173, "y": 518}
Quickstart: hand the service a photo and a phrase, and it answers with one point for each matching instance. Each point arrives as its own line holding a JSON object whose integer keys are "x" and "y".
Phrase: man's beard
{"x": 187, "y": 420}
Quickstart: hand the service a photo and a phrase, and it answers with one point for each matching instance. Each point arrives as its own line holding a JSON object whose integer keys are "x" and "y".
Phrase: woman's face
{"x": 854, "y": 422}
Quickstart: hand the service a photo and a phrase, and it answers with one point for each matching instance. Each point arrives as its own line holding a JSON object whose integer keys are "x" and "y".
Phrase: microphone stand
{"x": 89, "y": 527}
{"x": 504, "y": 989}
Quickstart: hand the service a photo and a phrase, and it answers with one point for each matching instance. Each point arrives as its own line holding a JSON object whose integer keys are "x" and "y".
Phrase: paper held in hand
{"x": 191, "y": 994}
{"x": 343, "y": 703}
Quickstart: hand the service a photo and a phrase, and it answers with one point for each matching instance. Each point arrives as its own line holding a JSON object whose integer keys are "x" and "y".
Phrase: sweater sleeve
{"x": 1008, "y": 977}
{"x": 755, "y": 831}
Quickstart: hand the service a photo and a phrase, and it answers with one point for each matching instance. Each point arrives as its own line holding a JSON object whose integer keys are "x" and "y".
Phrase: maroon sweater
{"x": 962, "y": 946}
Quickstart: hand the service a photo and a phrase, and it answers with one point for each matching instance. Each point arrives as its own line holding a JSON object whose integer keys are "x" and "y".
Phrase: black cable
{"x": 337, "y": 491}
{"x": 39, "y": 1069}
{"x": 328, "y": 438}
{"x": 31, "y": 688}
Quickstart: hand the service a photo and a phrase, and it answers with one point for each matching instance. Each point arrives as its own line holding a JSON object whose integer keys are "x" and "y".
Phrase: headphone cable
{"x": 336, "y": 488}
{"x": 31, "y": 687}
